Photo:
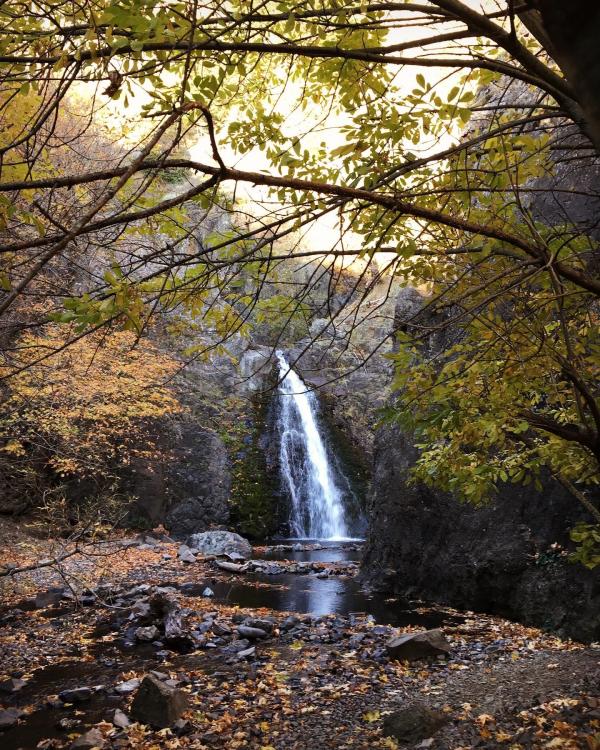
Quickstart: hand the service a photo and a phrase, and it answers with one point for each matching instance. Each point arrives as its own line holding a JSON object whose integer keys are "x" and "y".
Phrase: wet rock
{"x": 185, "y": 554}
{"x": 221, "y": 543}
{"x": 90, "y": 739}
{"x": 124, "y": 688}
{"x": 9, "y": 717}
{"x": 157, "y": 704}
{"x": 120, "y": 719}
{"x": 208, "y": 592}
{"x": 149, "y": 634}
{"x": 413, "y": 646}
{"x": 413, "y": 724}
{"x": 246, "y": 653}
{"x": 12, "y": 685}
{"x": 248, "y": 632}
{"x": 76, "y": 695}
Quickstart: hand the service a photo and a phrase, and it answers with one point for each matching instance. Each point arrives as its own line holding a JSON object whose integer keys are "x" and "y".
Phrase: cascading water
{"x": 317, "y": 509}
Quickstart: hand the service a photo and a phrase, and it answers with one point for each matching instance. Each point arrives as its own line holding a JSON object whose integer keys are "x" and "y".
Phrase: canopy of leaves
{"x": 429, "y": 131}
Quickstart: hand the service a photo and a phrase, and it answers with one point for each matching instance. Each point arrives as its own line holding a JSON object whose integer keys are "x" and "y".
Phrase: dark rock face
{"x": 199, "y": 481}
{"x": 424, "y": 543}
{"x": 157, "y": 704}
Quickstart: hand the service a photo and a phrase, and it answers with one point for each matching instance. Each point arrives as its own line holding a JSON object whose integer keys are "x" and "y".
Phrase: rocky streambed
{"x": 155, "y": 651}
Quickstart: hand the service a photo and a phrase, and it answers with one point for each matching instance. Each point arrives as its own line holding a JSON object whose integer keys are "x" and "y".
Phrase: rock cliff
{"x": 502, "y": 558}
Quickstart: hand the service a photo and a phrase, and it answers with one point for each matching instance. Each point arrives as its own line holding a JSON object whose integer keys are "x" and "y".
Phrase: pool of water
{"x": 308, "y": 594}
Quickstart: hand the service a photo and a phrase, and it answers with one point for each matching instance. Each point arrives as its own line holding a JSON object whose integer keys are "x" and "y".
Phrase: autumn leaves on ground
{"x": 126, "y": 646}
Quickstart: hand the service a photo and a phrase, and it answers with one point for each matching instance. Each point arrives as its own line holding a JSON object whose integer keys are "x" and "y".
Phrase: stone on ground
{"x": 221, "y": 543}
{"x": 185, "y": 554}
{"x": 76, "y": 695}
{"x": 149, "y": 633}
{"x": 413, "y": 723}
{"x": 157, "y": 704}
{"x": 9, "y": 717}
{"x": 90, "y": 739}
{"x": 421, "y": 645}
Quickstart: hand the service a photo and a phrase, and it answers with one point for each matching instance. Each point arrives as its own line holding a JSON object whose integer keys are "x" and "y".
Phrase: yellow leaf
{"x": 371, "y": 716}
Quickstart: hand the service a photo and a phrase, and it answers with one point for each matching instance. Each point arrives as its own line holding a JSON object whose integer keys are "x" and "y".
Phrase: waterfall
{"x": 317, "y": 509}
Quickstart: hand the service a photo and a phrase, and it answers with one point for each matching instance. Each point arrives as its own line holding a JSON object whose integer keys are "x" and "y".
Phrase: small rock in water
{"x": 208, "y": 592}
{"x": 148, "y": 634}
{"x": 157, "y": 704}
{"x": 90, "y": 739}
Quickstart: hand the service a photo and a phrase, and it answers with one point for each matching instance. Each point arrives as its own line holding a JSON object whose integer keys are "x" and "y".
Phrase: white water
{"x": 317, "y": 510}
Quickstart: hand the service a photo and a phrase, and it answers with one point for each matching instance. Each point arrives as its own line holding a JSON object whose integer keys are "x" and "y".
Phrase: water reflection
{"x": 307, "y": 594}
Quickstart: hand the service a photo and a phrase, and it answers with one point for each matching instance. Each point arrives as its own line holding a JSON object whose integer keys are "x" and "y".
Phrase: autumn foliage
{"x": 88, "y": 411}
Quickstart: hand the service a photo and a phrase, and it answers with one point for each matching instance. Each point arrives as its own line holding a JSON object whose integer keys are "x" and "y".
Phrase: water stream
{"x": 307, "y": 471}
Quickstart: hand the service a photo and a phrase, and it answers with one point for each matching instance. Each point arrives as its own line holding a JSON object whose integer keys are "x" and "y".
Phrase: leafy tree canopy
{"x": 433, "y": 131}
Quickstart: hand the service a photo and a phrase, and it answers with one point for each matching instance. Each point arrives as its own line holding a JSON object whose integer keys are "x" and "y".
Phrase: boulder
{"x": 90, "y": 739}
{"x": 413, "y": 646}
{"x": 157, "y": 704}
{"x": 413, "y": 724}
{"x": 221, "y": 543}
